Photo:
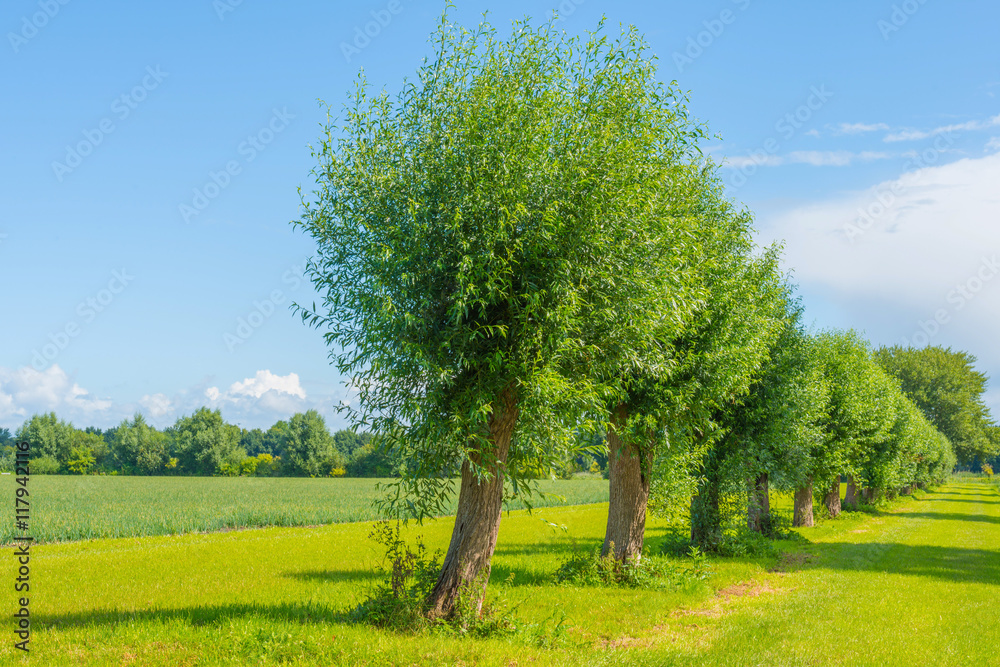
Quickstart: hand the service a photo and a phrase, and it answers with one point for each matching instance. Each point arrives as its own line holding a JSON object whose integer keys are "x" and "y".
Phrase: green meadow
{"x": 915, "y": 583}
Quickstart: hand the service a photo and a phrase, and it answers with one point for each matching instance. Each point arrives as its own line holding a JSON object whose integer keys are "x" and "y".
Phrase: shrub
{"x": 988, "y": 470}
{"x": 647, "y": 571}
{"x": 44, "y": 465}
{"x": 399, "y": 601}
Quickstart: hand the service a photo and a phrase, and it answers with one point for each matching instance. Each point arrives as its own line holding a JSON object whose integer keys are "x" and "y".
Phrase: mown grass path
{"x": 919, "y": 584}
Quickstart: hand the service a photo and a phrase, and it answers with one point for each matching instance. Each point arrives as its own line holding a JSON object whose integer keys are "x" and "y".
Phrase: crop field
{"x": 66, "y": 508}
{"x": 913, "y": 584}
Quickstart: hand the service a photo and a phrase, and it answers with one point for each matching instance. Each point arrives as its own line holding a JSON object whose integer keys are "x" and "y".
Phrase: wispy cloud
{"x": 917, "y": 135}
{"x": 834, "y": 158}
{"x": 859, "y": 128}
{"x": 26, "y": 391}
{"x": 811, "y": 158}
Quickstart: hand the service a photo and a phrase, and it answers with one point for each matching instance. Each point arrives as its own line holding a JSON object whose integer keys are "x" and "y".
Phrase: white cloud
{"x": 993, "y": 144}
{"x": 763, "y": 160}
{"x": 812, "y": 158}
{"x": 266, "y": 381}
{"x": 901, "y": 253}
{"x": 157, "y": 406}
{"x": 25, "y": 391}
{"x": 834, "y": 158}
{"x": 259, "y": 396}
{"x": 860, "y": 128}
{"x": 916, "y": 135}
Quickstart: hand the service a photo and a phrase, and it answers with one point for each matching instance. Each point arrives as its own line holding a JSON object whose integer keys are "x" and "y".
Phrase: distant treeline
{"x": 199, "y": 444}
{"x": 204, "y": 444}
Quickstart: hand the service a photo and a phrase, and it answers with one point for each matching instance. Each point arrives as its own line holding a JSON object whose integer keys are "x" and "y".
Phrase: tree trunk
{"x": 851, "y": 497}
{"x": 803, "y": 517}
{"x": 466, "y": 568}
{"x": 706, "y": 522}
{"x": 629, "y": 487}
{"x": 868, "y": 495}
{"x": 832, "y": 499}
{"x": 759, "y": 507}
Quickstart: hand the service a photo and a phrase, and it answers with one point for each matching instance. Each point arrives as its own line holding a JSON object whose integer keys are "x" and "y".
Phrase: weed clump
{"x": 647, "y": 571}
{"x": 399, "y": 601}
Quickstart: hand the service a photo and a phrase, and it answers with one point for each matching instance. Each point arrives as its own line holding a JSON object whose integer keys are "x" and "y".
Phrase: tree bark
{"x": 629, "y": 488}
{"x": 803, "y": 517}
{"x": 832, "y": 499}
{"x": 851, "y": 497}
{"x": 759, "y": 507}
{"x": 466, "y": 568}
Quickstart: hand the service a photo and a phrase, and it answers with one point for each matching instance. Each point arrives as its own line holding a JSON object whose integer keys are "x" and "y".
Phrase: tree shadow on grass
{"x": 953, "y": 516}
{"x": 954, "y": 564}
{"x": 305, "y": 613}
{"x": 333, "y": 576}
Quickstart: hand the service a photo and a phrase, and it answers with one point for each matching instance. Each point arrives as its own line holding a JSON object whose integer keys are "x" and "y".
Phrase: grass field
{"x": 916, "y": 584}
{"x": 66, "y": 508}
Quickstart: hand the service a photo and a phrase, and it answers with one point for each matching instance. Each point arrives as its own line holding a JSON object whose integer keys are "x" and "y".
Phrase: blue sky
{"x": 151, "y": 155}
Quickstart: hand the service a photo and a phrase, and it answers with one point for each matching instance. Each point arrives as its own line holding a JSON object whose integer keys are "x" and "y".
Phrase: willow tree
{"x": 487, "y": 240}
{"x": 771, "y": 434}
{"x": 671, "y": 394}
{"x": 861, "y": 414}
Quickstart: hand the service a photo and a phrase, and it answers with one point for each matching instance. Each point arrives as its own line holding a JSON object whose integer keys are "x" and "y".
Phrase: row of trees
{"x": 527, "y": 246}
{"x": 199, "y": 444}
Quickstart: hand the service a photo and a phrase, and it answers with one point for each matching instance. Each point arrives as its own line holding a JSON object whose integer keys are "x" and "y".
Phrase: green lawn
{"x": 914, "y": 585}
{"x": 66, "y": 508}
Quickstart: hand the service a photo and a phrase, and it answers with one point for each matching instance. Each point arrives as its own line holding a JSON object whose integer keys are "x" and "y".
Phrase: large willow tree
{"x": 493, "y": 245}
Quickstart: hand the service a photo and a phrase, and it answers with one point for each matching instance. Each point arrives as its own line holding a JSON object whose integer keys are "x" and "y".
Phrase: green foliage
{"x": 307, "y": 448}
{"x": 138, "y": 448}
{"x": 48, "y": 436}
{"x": 204, "y": 443}
{"x": 948, "y": 390}
{"x": 493, "y": 230}
{"x": 81, "y": 460}
{"x": 399, "y": 602}
{"x": 45, "y": 465}
{"x": 589, "y": 568}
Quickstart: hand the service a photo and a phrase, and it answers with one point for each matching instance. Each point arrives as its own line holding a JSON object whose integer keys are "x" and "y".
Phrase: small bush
{"x": 647, "y": 571}
{"x": 743, "y": 542}
{"x": 44, "y": 465}
{"x": 988, "y": 470}
{"x": 399, "y": 602}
